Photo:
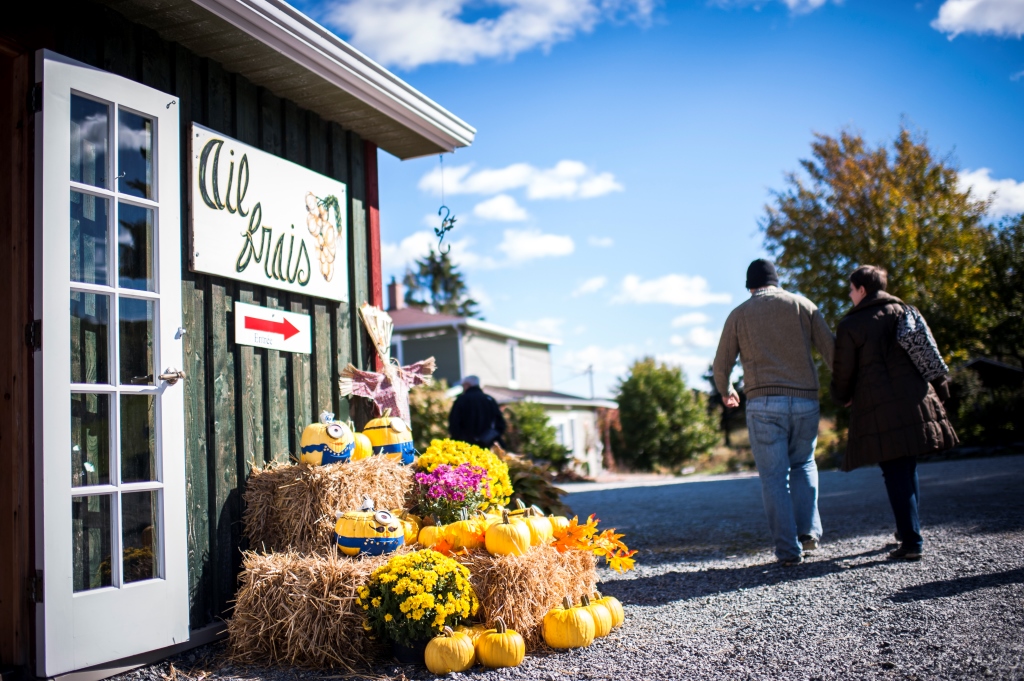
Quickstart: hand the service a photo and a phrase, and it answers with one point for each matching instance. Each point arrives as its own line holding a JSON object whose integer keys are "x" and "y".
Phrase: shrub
{"x": 429, "y": 407}
{"x": 530, "y": 434}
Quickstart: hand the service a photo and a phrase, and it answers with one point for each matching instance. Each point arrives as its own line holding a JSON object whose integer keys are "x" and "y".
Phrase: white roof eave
{"x": 311, "y": 46}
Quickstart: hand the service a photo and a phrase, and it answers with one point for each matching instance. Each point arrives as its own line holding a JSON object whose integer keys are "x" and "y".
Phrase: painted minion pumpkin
{"x": 390, "y": 436}
{"x": 368, "y": 531}
{"x": 327, "y": 441}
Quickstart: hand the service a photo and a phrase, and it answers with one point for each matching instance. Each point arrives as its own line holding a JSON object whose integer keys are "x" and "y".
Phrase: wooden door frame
{"x": 18, "y": 590}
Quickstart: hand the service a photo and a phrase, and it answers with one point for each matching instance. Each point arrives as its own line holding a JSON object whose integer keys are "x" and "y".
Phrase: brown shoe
{"x": 904, "y": 553}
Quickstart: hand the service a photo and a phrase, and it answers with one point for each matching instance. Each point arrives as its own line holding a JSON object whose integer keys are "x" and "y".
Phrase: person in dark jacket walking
{"x": 475, "y": 417}
{"x": 895, "y": 414}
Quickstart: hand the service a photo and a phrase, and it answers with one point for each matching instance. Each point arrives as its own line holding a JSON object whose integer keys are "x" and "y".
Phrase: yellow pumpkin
{"x": 614, "y": 608}
{"x": 449, "y": 652}
{"x": 389, "y": 435}
{"x": 602, "y": 616}
{"x": 368, "y": 531}
{"x": 410, "y": 525}
{"x": 520, "y": 509}
{"x": 540, "y": 528}
{"x": 465, "y": 533}
{"x": 559, "y": 523}
{"x": 500, "y": 647}
{"x": 568, "y": 627}
{"x": 363, "y": 448}
{"x": 327, "y": 441}
{"x": 507, "y": 538}
{"x": 431, "y": 534}
{"x": 473, "y": 631}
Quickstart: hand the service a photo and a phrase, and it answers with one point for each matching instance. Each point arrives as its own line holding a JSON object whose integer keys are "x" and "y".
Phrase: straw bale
{"x": 292, "y": 506}
{"x": 300, "y": 610}
{"x": 522, "y": 589}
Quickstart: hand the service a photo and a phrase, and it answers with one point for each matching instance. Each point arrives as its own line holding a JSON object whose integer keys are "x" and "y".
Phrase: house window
{"x": 513, "y": 364}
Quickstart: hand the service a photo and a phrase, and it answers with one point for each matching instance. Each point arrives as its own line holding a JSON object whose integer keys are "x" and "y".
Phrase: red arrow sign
{"x": 283, "y": 327}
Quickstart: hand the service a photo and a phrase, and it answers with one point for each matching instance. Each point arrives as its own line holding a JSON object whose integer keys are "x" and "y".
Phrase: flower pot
{"x": 411, "y": 654}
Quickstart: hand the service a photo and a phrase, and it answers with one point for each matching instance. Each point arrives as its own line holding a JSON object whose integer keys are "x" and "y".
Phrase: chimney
{"x": 396, "y": 295}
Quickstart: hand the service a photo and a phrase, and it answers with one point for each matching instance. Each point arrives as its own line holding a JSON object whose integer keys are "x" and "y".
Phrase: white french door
{"x": 110, "y": 444}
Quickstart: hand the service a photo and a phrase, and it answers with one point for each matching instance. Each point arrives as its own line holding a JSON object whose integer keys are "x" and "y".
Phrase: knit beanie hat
{"x": 761, "y": 273}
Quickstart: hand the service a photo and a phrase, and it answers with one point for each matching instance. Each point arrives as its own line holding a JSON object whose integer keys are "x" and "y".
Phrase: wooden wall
{"x": 244, "y": 406}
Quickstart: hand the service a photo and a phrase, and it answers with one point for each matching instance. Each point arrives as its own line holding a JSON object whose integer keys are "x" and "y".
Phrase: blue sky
{"x": 626, "y": 148}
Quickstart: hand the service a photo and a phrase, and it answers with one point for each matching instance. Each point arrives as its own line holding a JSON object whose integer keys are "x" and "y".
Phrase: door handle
{"x": 172, "y": 376}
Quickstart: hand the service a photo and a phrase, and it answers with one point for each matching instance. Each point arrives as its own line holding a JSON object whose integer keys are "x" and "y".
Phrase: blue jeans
{"x": 904, "y": 494}
{"x": 783, "y": 432}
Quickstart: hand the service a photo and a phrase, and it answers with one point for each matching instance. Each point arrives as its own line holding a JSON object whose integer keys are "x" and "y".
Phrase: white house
{"x": 513, "y": 366}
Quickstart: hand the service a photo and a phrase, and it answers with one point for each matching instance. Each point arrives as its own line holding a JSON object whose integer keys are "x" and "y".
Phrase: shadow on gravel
{"x": 681, "y": 586}
{"x": 955, "y": 587}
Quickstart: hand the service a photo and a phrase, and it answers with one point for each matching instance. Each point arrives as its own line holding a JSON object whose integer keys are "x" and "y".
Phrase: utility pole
{"x": 590, "y": 370}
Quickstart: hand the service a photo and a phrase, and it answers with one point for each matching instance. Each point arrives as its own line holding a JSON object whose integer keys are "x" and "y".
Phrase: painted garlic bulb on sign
{"x": 318, "y": 221}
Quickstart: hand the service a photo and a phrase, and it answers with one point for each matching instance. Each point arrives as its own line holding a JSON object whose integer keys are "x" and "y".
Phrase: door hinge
{"x": 34, "y": 335}
{"x": 35, "y": 587}
{"x": 35, "y": 98}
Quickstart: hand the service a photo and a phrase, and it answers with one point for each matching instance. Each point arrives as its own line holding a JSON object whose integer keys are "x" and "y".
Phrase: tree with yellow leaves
{"x": 900, "y": 208}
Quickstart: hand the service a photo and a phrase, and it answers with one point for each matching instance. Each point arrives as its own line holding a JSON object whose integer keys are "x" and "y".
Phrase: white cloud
{"x": 690, "y": 319}
{"x": 672, "y": 289}
{"x": 545, "y": 326}
{"x": 567, "y": 179}
{"x": 998, "y": 17}
{"x": 502, "y": 208}
{"x": 398, "y": 256}
{"x": 522, "y": 245}
{"x": 601, "y": 241}
{"x": 693, "y": 367}
{"x": 1008, "y": 196}
{"x": 697, "y": 337}
{"x": 614, "y": 361}
{"x": 590, "y": 286}
{"x": 410, "y": 33}
{"x": 795, "y": 6}
{"x": 480, "y": 296}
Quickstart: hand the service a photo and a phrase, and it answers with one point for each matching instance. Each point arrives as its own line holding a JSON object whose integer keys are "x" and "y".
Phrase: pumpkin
{"x": 507, "y": 538}
{"x": 614, "y": 608}
{"x": 449, "y": 652}
{"x": 472, "y": 631}
{"x": 368, "y": 531}
{"x": 500, "y": 647}
{"x": 540, "y": 528}
{"x": 520, "y": 509}
{"x": 431, "y": 534}
{"x": 568, "y": 627}
{"x": 390, "y": 436}
{"x": 410, "y": 525}
{"x": 602, "y": 616}
{"x": 559, "y": 523}
{"x": 465, "y": 533}
{"x": 327, "y": 441}
{"x": 363, "y": 448}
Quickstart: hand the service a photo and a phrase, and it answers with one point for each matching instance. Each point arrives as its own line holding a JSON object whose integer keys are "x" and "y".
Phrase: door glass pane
{"x": 88, "y": 238}
{"x": 135, "y": 154}
{"x": 90, "y": 541}
{"x": 90, "y": 132}
{"x": 135, "y": 247}
{"x": 90, "y": 439}
{"x": 138, "y": 438}
{"x": 135, "y": 335}
{"x": 90, "y": 314}
{"x": 139, "y": 532}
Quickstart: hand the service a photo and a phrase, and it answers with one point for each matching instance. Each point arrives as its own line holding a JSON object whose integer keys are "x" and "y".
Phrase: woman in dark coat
{"x": 896, "y": 415}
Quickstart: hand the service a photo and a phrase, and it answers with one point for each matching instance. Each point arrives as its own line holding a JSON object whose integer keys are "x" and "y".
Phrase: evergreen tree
{"x": 437, "y": 282}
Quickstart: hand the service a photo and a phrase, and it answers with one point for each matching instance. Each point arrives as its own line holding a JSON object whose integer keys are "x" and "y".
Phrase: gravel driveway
{"x": 707, "y": 600}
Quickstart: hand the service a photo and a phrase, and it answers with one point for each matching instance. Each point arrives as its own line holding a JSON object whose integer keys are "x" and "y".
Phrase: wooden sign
{"x": 264, "y": 327}
{"x": 258, "y": 218}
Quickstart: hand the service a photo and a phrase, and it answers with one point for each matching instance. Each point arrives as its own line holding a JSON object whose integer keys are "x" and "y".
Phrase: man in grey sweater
{"x": 772, "y": 332}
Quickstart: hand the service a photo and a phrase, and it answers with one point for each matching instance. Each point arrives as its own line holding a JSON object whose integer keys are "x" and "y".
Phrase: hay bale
{"x": 300, "y": 610}
{"x": 292, "y": 506}
{"x": 522, "y": 589}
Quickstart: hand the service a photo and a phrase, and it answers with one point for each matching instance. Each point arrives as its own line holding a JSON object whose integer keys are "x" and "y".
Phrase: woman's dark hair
{"x": 872, "y": 279}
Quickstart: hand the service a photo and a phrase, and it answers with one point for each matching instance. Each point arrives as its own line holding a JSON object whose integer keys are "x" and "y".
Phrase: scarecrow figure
{"x": 390, "y": 389}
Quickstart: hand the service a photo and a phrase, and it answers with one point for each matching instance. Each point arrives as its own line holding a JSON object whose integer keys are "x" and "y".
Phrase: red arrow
{"x": 283, "y": 327}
